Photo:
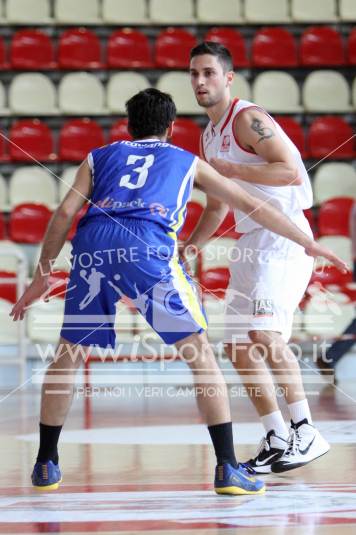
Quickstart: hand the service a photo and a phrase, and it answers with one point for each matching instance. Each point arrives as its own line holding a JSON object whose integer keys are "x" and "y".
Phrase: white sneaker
{"x": 271, "y": 449}
{"x": 305, "y": 445}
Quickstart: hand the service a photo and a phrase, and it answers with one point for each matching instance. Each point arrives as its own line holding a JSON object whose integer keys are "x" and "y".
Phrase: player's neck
{"x": 216, "y": 112}
{"x": 152, "y": 137}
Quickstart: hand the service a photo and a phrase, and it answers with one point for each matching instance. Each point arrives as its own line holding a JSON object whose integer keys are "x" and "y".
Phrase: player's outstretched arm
{"x": 266, "y": 215}
{"x": 54, "y": 239}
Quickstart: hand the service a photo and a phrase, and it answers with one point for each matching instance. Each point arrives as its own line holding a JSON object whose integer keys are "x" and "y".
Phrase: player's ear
{"x": 170, "y": 130}
{"x": 230, "y": 77}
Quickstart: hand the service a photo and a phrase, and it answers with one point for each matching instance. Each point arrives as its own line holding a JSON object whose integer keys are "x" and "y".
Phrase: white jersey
{"x": 219, "y": 141}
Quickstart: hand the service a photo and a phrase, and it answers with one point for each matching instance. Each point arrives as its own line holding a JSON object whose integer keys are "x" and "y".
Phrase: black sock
{"x": 221, "y": 435}
{"x": 49, "y": 435}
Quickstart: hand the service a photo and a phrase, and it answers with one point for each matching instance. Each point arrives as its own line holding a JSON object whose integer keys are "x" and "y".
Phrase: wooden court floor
{"x": 145, "y": 465}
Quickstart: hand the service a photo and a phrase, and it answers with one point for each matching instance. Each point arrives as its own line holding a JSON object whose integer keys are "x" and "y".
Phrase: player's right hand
{"x": 315, "y": 250}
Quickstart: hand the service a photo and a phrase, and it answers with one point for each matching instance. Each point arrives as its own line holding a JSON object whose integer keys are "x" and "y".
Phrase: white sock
{"x": 300, "y": 410}
{"x": 275, "y": 421}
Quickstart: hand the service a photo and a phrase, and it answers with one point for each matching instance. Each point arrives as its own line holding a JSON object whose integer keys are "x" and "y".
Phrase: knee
{"x": 261, "y": 337}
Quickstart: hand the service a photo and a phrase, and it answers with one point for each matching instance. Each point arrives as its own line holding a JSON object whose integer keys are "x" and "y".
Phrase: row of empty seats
{"x": 35, "y": 184}
{"x": 27, "y": 221}
{"x": 80, "y": 48}
{"x": 83, "y": 93}
{"x": 185, "y": 11}
{"x": 32, "y": 139}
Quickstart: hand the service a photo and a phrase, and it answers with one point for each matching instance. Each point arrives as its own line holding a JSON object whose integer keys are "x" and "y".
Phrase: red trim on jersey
{"x": 233, "y": 104}
{"x": 201, "y": 146}
{"x": 233, "y": 126}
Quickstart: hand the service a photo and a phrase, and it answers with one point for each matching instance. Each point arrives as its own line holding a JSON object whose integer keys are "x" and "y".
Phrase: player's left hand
{"x": 315, "y": 249}
{"x": 222, "y": 166}
{"x": 38, "y": 287}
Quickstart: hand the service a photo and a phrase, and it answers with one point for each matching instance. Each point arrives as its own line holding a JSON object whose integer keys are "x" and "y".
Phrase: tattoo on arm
{"x": 264, "y": 131}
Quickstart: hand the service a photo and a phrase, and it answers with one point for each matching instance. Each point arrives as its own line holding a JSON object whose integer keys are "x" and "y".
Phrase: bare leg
{"x": 55, "y": 406}
{"x": 249, "y": 362}
{"x": 283, "y": 361}
{"x": 212, "y": 396}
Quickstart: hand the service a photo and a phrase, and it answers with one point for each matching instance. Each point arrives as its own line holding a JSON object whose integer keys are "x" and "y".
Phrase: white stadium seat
{"x": 327, "y": 316}
{"x": 32, "y": 184}
{"x": 217, "y": 253}
{"x": 9, "y": 331}
{"x": 276, "y": 91}
{"x": 240, "y": 87}
{"x": 67, "y": 180}
{"x": 178, "y": 85}
{"x": 314, "y": 11}
{"x": 214, "y": 309}
{"x": 28, "y": 12}
{"x": 347, "y": 9}
{"x": 81, "y": 93}
{"x": 2, "y": 13}
{"x": 63, "y": 261}
{"x": 334, "y": 179}
{"x": 78, "y": 12}
{"x": 198, "y": 196}
{"x": 167, "y": 11}
{"x": 340, "y": 245}
{"x": 32, "y": 94}
{"x": 222, "y": 12}
{"x": 124, "y": 12}
{"x": 257, "y": 11}
{"x": 326, "y": 91}
{"x": 10, "y": 253}
{"x": 124, "y": 322}
{"x": 123, "y": 86}
{"x": 3, "y": 194}
{"x": 44, "y": 320}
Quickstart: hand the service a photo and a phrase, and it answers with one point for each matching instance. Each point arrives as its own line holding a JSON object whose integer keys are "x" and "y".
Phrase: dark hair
{"x": 214, "y": 49}
{"x": 150, "y": 112}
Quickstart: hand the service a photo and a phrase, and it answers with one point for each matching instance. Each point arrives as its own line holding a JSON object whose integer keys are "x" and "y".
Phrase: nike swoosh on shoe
{"x": 305, "y": 451}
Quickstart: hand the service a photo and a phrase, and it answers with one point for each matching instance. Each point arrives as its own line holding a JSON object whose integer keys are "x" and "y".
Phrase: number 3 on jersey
{"x": 142, "y": 171}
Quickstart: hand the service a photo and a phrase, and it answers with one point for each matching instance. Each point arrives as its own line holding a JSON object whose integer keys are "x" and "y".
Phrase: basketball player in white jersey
{"x": 270, "y": 274}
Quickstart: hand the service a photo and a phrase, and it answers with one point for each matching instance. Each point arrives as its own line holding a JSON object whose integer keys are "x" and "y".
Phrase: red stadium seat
{"x": 2, "y": 227}
{"x": 194, "y": 211}
{"x": 129, "y": 49}
{"x": 173, "y": 48}
{"x": 8, "y": 289}
{"x": 3, "y": 62}
{"x": 295, "y": 131}
{"x": 274, "y": 47}
{"x": 4, "y": 155}
{"x": 119, "y": 131}
{"x": 227, "y": 227}
{"x": 330, "y": 275}
{"x": 78, "y": 137}
{"x": 351, "y": 48}
{"x": 28, "y": 222}
{"x": 32, "y": 50}
{"x": 233, "y": 40}
{"x": 78, "y": 217}
{"x": 320, "y": 47}
{"x": 186, "y": 134}
{"x": 312, "y": 221}
{"x": 329, "y": 133}
{"x": 215, "y": 281}
{"x": 79, "y": 48}
{"x": 31, "y": 139}
{"x": 334, "y": 217}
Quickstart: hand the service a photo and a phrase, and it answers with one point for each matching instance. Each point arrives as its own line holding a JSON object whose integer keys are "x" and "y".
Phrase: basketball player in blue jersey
{"x": 138, "y": 192}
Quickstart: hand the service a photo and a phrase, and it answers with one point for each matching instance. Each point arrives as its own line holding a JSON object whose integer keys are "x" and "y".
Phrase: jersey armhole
{"x": 201, "y": 147}
{"x": 90, "y": 161}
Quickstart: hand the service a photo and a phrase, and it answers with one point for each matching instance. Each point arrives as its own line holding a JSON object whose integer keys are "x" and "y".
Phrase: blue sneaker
{"x": 46, "y": 476}
{"x": 235, "y": 481}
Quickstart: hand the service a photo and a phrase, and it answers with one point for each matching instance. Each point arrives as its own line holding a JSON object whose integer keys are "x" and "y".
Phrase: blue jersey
{"x": 148, "y": 180}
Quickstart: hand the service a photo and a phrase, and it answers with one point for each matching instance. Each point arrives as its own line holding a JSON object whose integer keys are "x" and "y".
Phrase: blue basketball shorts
{"x": 134, "y": 258}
